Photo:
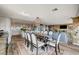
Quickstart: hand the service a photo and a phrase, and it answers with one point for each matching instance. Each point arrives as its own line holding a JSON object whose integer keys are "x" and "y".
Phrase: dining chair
{"x": 25, "y": 38}
{"x": 29, "y": 41}
{"x": 46, "y": 32}
{"x": 55, "y": 44}
{"x": 50, "y": 34}
{"x": 36, "y": 43}
{"x": 42, "y": 32}
{"x": 22, "y": 34}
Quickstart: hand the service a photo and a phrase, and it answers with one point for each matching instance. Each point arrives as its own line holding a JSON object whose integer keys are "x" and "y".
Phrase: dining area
{"x": 39, "y": 29}
{"x": 41, "y": 39}
{"x": 44, "y": 40}
{"x": 43, "y": 30}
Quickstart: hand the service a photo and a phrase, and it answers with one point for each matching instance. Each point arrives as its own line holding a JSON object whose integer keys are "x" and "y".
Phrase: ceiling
{"x": 28, "y": 12}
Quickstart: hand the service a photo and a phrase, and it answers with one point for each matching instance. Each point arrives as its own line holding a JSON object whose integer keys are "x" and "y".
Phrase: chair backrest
{"x": 58, "y": 39}
{"x": 34, "y": 39}
{"x": 64, "y": 37}
{"x": 29, "y": 37}
{"x": 26, "y": 35}
{"x": 41, "y": 31}
{"x": 22, "y": 33}
{"x": 50, "y": 32}
{"x": 45, "y": 32}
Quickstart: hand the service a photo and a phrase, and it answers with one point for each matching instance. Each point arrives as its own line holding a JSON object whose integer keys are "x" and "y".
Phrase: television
{"x": 63, "y": 26}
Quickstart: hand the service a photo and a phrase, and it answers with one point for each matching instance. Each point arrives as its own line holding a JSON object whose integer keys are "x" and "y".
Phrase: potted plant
{"x": 23, "y": 29}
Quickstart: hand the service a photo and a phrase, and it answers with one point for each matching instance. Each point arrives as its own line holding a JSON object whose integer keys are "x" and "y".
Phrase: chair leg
{"x": 43, "y": 48}
{"x": 31, "y": 47}
{"x": 47, "y": 47}
{"x": 27, "y": 44}
{"x": 58, "y": 48}
{"x": 25, "y": 41}
{"x": 37, "y": 51}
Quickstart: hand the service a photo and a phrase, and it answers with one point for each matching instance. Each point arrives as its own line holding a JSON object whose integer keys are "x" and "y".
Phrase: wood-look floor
{"x": 18, "y": 47}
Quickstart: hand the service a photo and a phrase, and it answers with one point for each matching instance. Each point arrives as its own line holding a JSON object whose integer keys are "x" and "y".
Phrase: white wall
{"x": 78, "y": 11}
{"x": 5, "y": 24}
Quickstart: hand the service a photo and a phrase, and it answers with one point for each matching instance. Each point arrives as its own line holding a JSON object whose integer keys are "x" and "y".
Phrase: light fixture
{"x": 55, "y": 9}
{"x": 37, "y": 21}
